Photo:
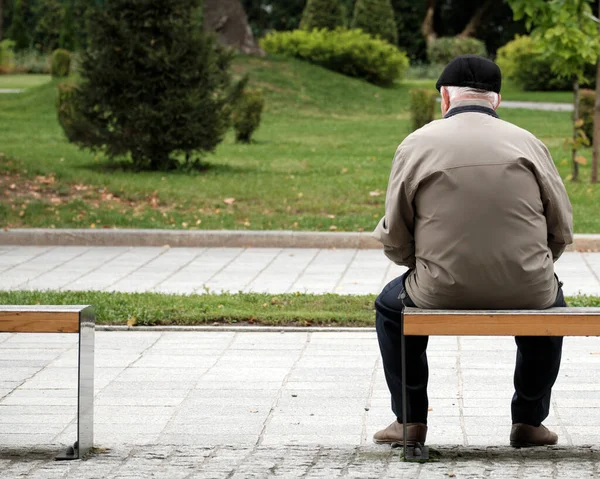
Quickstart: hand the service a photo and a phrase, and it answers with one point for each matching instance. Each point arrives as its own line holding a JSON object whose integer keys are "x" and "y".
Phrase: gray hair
{"x": 455, "y": 92}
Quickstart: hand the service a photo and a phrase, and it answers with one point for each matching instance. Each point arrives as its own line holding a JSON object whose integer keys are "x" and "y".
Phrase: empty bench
{"x": 64, "y": 319}
{"x": 547, "y": 322}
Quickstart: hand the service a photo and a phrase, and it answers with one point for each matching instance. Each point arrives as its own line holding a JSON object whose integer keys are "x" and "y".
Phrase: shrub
{"x": 376, "y": 17}
{"x": 61, "y": 63}
{"x": 247, "y": 113}
{"x": 327, "y": 14}
{"x": 7, "y": 56}
{"x": 444, "y": 49}
{"x": 165, "y": 98}
{"x": 521, "y": 62}
{"x": 587, "y": 103}
{"x": 350, "y": 52}
{"x": 422, "y": 107}
{"x": 76, "y": 127}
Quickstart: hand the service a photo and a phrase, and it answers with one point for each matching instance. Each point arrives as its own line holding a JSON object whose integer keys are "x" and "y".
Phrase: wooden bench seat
{"x": 64, "y": 319}
{"x": 548, "y": 322}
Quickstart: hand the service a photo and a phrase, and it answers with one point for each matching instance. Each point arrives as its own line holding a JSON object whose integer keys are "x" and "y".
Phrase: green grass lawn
{"x": 320, "y": 162}
{"x": 153, "y": 309}
{"x": 23, "y": 82}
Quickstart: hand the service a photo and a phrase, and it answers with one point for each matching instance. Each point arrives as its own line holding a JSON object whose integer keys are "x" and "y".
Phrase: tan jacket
{"x": 475, "y": 207}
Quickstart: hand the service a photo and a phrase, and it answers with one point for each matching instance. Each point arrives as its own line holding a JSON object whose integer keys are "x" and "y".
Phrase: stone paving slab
{"x": 201, "y": 270}
{"x": 292, "y": 404}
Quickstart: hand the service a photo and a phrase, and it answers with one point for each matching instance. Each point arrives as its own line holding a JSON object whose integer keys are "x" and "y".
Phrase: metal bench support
{"x": 85, "y": 388}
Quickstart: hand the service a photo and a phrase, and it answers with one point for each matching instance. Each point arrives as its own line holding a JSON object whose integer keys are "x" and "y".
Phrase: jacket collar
{"x": 471, "y": 106}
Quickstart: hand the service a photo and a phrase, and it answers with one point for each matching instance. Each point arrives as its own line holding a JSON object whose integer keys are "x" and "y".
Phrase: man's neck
{"x": 469, "y": 101}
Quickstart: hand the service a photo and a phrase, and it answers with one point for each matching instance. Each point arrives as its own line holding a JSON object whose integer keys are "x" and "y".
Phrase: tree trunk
{"x": 228, "y": 20}
{"x": 478, "y": 17}
{"x": 596, "y": 139}
{"x": 575, "y": 176}
{"x": 427, "y": 28}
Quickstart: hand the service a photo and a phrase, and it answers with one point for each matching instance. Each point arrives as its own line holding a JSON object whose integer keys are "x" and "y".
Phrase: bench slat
{"x": 39, "y": 321}
{"x": 550, "y": 322}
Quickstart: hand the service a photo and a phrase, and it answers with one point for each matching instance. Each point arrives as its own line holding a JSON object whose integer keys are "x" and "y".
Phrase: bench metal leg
{"x": 416, "y": 452}
{"x": 85, "y": 393}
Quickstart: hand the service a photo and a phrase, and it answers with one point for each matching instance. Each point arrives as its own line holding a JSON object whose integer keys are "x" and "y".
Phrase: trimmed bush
{"x": 445, "y": 49}
{"x": 521, "y": 62}
{"x": 247, "y": 113}
{"x": 61, "y": 63}
{"x": 350, "y": 52}
{"x": 376, "y": 17}
{"x": 422, "y": 107}
{"x": 7, "y": 56}
{"x": 328, "y": 14}
{"x": 163, "y": 99}
{"x": 587, "y": 103}
{"x": 76, "y": 127}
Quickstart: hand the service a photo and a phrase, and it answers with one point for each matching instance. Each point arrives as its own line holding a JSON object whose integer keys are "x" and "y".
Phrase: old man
{"x": 477, "y": 211}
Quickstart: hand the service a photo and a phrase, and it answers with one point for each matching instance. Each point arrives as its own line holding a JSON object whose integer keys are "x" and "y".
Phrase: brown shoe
{"x": 524, "y": 435}
{"x": 415, "y": 432}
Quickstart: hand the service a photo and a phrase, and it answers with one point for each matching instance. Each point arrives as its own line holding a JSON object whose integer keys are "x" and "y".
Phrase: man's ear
{"x": 445, "y": 100}
{"x": 498, "y": 103}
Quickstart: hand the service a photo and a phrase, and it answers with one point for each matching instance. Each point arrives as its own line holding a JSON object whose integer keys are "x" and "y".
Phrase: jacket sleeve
{"x": 396, "y": 229}
{"x": 557, "y": 207}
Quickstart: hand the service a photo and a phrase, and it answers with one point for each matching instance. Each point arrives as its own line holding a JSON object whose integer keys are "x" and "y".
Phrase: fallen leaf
{"x": 375, "y": 193}
{"x": 229, "y": 201}
{"x": 330, "y": 216}
{"x": 300, "y": 195}
{"x": 198, "y": 222}
{"x": 582, "y": 160}
{"x": 344, "y": 170}
{"x": 333, "y": 228}
{"x": 184, "y": 225}
{"x": 131, "y": 321}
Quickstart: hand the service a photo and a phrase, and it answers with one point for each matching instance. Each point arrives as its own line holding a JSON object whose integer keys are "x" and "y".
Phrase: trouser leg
{"x": 537, "y": 366}
{"x": 388, "y": 308}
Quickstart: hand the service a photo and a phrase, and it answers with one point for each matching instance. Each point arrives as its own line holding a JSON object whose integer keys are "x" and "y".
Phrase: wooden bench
{"x": 64, "y": 319}
{"x": 548, "y": 322}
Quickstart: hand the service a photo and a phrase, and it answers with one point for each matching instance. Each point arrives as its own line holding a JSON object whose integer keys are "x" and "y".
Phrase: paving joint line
{"x": 385, "y": 276}
{"x": 594, "y": 274}
{"x": 284, "y": 382}
{"x": 104, "y": 263}
{"x": 269, "y": 263}
{"x": 182, "y": 267}
{"x": 303, "y": 272}
{"x": 20, "y": 285}
{"x": 50, "y": 249}
{"x": 461, "y": 401}
{"x": 164, "y": 250}
{"x": 560, "y": 422}
{"x": 197, "y": 382}
{"x": 363, "y": 438}
{"x": 220, "y": 270}
{"x": 343, "y": 275}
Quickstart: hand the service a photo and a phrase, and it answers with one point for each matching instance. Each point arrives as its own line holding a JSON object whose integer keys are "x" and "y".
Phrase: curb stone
{"x": 215, "y": 238}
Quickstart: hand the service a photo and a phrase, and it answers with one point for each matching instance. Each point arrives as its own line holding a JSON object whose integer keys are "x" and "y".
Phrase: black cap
{"x": 471, "y": 71}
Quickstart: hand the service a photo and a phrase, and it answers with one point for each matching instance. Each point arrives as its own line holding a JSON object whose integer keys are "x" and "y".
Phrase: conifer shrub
{"x": 328, "y": 14}
{"x": 422, "y": 107}
{"x": 159, "y": 90}
{"x": 61, "y": 63}
{"x": 376, "y": 17}
{"x": 247, "y": 114}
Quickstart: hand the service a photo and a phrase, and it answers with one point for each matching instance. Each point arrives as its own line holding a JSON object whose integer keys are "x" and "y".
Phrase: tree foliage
{"x": 18, "y": 31}
{"x": 154, "y": 85}
{"x": 376, "y": 17}
{"x": 328, "y": 14}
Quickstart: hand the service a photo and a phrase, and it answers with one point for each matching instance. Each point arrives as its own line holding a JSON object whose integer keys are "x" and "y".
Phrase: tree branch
{"x": 427, "y": 28}
{"x": 478, "y": 17}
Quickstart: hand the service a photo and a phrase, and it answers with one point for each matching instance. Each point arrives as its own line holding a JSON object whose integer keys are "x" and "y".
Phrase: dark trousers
{"x": 537, "y": 365}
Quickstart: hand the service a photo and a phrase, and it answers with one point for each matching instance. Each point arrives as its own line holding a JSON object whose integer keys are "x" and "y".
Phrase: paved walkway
{"x": 227, "y": 404}
{"x": 198, "y": 270}
{"x": 256, "y": 404}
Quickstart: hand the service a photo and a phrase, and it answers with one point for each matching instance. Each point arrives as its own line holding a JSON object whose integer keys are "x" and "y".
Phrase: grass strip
{"x": 155, "y": 309}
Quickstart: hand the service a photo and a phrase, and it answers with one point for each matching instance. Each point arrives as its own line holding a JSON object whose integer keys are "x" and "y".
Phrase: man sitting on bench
{"x": 477, "y": 211}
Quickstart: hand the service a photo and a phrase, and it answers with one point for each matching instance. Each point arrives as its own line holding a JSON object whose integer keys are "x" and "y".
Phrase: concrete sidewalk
{"x": 199, "y": 270}
{"x": 240, "y": 405}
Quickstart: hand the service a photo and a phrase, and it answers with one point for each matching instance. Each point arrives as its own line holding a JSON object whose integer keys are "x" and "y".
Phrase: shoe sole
{"x": 395, "y": 443}
{"x": 519, "y": 445}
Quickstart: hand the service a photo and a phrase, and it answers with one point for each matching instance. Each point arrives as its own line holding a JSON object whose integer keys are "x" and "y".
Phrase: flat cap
{"x": 471, "y": 71}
